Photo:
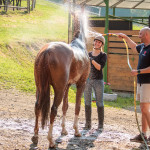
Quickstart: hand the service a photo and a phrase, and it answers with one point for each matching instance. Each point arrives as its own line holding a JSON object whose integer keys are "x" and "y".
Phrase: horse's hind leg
{"x": 80, "y": 89}
{"x": 37, "y": 113}
{"x": 57, "y": 100}
{"x": 64, "y": 109}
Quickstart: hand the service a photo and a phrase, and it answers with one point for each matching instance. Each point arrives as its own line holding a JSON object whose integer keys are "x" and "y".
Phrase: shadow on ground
{"x": 81, "y": 143}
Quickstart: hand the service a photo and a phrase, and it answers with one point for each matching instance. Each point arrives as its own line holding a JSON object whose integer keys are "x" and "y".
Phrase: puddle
{"x": 109, "y": 134}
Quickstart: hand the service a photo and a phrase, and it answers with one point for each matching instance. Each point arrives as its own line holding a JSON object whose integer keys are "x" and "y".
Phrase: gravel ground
{"x": 17, "y": 125}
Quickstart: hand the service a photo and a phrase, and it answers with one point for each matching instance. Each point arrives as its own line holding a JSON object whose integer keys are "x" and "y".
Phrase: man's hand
{"x": 121, "y": 35}
{"x": 134, "y": 72}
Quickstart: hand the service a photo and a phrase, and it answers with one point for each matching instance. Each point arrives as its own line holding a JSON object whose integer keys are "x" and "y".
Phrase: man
{"x": 143, "y": 77}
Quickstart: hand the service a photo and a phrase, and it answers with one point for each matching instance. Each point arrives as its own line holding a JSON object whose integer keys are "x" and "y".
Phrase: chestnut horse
{"x": 59, "y": 64}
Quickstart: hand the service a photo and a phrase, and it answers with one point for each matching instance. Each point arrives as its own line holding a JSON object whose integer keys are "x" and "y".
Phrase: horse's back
{"x": 59, "y": 53}
{"x": 56, "y": 58}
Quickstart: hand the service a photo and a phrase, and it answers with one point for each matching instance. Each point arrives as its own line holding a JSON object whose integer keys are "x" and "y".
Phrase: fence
{"x": 17, "y": 4}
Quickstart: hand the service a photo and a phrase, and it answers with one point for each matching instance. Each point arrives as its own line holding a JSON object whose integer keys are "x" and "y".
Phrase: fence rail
{"x": 17, "y": 4}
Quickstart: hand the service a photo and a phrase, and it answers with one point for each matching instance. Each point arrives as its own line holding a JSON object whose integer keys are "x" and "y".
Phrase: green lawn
{"x": 47, "y": 22}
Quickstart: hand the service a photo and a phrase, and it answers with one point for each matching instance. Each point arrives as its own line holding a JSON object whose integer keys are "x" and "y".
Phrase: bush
{"x": 107, "y": 88}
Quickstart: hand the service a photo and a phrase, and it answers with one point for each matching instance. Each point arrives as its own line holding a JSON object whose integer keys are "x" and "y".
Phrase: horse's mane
{"x": 79, "y": 40}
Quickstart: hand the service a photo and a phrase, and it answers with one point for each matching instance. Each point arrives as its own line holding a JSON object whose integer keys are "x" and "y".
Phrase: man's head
{"x": 98, "y": 42}
{"x": 144, "y": 35}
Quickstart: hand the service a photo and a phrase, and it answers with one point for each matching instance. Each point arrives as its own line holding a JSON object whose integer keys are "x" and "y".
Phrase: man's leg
{"x": 139, "y": 138}
{"x": 145, "y": 109}
{"x": 140, "y": 97}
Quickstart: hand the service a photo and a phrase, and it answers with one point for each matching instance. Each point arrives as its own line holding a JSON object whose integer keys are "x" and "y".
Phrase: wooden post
{"x": 106, "y": 37}
{"x": 33, "y": 5}
{"x": 0, "y": 2}
{"x": 6, "y": 5}
{"x": 114, "y": 11}
{"x": 28, "y": 6}
{"x": 149, "y": 21}
{"x": 13, "y": 4}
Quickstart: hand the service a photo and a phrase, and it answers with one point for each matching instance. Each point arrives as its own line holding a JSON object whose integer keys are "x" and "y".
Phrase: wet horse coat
{"x": 60, "y": 65}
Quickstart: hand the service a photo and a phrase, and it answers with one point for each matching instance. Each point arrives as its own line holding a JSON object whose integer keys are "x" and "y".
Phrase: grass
{"x": 16, "y": 68}
{"x": 20, "y": 35}
{"x": 121, "y": 102}
{"x": 46, "y": 21}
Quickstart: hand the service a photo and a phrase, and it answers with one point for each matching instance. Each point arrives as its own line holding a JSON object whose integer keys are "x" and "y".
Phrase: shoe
{"x": 138, "y": 138}
{"x": 148, "y": 140}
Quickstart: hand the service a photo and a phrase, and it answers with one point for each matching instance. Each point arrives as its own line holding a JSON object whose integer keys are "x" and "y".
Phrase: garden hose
{"x": 112, "y": 34}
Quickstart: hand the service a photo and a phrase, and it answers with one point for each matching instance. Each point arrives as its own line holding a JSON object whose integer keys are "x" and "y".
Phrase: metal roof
{"x": 130, "y": 4}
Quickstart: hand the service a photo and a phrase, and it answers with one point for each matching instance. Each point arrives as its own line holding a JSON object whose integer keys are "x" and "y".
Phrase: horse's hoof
{"x": 52, "y": 146}
{"x": 78, "y": 135}
{"x": 64, "y": 133}
{"x": 35, "y": 139}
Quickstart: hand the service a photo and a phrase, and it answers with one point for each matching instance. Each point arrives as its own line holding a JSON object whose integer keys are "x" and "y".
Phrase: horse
{"x": 60, "y": 65}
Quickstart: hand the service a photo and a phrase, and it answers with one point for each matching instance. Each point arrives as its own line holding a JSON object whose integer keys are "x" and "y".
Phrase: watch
{"x": 139, "y": 71}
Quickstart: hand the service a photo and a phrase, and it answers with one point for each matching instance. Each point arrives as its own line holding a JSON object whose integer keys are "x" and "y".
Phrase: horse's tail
{"x": 42, "y": 79}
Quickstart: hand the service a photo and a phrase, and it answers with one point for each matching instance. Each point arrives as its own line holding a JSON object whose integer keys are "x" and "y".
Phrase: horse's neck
{"x": 79, "y": 28}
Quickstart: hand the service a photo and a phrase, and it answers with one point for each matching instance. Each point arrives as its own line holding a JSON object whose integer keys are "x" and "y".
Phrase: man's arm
{"x": 140, "y": 71}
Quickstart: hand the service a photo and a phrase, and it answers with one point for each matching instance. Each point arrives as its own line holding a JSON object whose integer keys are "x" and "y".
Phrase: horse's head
{"x": 80, "y": 24}
{"x": 80, "y": 28}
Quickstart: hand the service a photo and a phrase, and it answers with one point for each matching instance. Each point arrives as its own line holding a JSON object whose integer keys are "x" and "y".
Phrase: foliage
{"x": 107, "y": 88}
{"x": 137, "y": 26}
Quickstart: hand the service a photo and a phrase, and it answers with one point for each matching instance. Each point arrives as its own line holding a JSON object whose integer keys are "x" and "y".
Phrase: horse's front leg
{"x": 64, "y": 110}
{"x": 80, "y": 89}
{"x": 37, "y": 113}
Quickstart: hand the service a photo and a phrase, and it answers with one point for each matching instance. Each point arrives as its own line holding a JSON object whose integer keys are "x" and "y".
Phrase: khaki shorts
{"x": 143, "y": 93}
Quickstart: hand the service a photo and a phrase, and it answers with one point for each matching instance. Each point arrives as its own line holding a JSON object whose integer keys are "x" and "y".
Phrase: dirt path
{"x": 17, "y": 124}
